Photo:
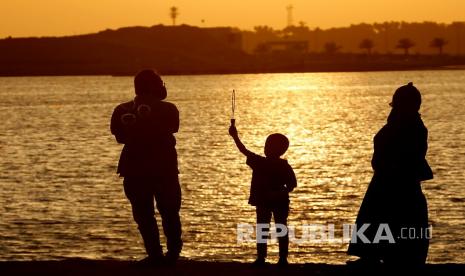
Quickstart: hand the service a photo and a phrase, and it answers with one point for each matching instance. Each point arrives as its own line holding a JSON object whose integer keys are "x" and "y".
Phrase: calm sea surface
{"x": 60, "y": 196}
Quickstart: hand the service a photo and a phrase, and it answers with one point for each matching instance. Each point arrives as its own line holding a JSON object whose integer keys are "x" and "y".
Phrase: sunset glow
{"x": 54, "y": 17}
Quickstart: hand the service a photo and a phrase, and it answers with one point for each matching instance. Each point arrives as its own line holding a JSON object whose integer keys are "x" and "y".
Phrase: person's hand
{"x": 233, "y": 131}
{"x": 128, "y": 119}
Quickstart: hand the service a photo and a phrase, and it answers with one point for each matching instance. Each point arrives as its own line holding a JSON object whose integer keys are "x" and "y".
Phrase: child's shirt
{"x": 272, "y": 179}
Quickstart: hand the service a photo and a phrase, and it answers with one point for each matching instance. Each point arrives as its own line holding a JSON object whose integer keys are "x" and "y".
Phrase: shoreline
{"x": 89, "y": 267}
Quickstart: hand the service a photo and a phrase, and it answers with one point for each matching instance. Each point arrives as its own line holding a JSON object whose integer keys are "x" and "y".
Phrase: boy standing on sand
{"x": 272, "y": 180}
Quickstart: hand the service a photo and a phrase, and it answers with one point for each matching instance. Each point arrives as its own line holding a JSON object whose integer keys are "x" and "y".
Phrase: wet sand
{"x": 190, "y": 267}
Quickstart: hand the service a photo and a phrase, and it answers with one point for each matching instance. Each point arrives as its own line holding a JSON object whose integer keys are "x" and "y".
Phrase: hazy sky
{"x": 62, "y": 17}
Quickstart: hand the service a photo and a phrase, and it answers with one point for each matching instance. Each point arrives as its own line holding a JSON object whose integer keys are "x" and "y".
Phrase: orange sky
{"x": 62, "y": 17}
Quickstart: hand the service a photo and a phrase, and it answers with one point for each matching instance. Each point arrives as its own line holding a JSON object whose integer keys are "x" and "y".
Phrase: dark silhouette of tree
{"x": 438, "y": 43}
{"x": 264, "y": 30}
{"x": 405, "y": 44}
{"x": 174, "y": 12}
{"x": 367, "y": 44}
{"x": 264, "y": 34}
{"x": 300, "y": 32}
{"x": 331, "y": 47}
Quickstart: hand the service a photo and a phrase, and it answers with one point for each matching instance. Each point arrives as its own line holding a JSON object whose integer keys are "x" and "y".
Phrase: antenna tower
{"x": 290, "y": 18}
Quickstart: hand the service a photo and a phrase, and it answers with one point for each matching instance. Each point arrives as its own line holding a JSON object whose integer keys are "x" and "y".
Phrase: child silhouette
{"x": 272, "y": 180}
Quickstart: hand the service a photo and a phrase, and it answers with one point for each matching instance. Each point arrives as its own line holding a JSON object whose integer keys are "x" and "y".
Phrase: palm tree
{"x": 405, "y": 44}
{"x": 174, "y": 14}
{"x": 331, "y": 47}
{"x": 367, "y": 44}
{"x": 438, "y": 43}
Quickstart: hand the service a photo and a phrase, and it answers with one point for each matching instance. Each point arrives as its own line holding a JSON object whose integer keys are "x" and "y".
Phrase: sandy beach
{"x": 191, "y": 267}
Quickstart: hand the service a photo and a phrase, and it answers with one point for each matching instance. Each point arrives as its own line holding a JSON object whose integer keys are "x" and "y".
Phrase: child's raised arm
{"x": 237, "y": 140}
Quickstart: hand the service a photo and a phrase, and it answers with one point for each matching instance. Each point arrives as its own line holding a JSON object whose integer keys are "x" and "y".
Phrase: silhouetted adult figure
{"x": 148, "y": 163}
{"x": 394, "y": 204}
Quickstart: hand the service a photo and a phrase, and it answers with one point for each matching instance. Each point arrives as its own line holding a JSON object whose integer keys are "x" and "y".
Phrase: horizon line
{"x": 233, "y": 27}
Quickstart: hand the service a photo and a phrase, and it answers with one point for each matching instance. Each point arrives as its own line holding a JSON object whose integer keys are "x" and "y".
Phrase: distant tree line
{"x": 378, "y": 38}
{"x": 182, "y": 49}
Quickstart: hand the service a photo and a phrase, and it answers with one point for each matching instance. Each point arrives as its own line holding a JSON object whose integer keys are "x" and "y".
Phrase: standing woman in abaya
{"x": 394, "y": 205}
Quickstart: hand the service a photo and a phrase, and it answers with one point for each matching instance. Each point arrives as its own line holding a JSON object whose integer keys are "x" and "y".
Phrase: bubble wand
{"x": 233, "y": 107}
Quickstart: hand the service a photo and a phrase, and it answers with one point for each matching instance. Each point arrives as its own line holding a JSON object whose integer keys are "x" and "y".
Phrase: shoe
{"x": 171, "y": 258}
{"x": 282, "y": 262}
{"x": 150, "y": 261}
{"x": 259, "y": 262}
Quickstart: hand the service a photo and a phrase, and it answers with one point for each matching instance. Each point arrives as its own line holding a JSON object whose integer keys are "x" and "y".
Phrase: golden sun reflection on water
{"x": 60, "y": 197}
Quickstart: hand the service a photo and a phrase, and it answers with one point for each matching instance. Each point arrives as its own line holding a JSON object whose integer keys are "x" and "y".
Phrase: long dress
{"x": 394, "y": 196}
